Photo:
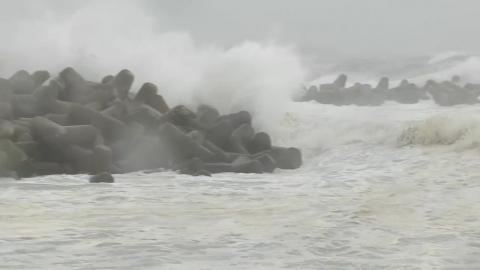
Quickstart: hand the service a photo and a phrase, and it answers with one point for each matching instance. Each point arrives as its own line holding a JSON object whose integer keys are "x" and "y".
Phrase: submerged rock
{"x": 102, "y": 178}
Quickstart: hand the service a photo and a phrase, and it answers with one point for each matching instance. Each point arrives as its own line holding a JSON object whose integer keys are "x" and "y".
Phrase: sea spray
{"x": 103, "y": 37}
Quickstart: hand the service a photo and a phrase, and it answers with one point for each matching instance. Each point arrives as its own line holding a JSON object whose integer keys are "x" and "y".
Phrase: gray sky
{"x": 347, "y": 27}
{"x": 360, "y": 28}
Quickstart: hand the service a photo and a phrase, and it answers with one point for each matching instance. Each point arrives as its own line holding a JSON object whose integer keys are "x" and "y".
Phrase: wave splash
{"x": 100, "y": 38}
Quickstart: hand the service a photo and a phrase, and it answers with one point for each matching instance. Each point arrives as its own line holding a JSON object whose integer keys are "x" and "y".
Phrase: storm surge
{"x": 388, "y": 187}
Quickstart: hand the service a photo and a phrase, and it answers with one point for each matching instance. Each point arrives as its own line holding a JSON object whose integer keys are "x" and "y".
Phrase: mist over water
{"x": 388, "y": 187}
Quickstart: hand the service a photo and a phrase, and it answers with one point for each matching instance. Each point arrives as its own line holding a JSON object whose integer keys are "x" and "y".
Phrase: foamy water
{"x": 365, "y": 199}
{"x": 390, "y": 187}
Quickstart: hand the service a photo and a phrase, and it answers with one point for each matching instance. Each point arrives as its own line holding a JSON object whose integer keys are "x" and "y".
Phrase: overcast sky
{"x": 347, "y": 27}
{"x": 360, "y": 28}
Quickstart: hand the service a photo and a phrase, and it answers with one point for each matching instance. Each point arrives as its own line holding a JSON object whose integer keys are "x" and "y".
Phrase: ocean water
{"x": 391, "y": 187}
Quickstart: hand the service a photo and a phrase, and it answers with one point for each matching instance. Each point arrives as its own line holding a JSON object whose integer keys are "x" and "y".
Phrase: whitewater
{"x": 389, "y": 187}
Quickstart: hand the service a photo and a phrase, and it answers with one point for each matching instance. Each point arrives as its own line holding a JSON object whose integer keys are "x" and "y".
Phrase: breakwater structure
{"x": 68, "y": 125}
